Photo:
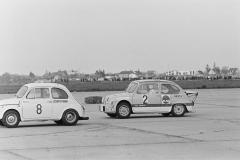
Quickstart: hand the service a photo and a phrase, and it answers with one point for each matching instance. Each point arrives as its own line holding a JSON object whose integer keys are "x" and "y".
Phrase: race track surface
{"x": 211, "y": 133}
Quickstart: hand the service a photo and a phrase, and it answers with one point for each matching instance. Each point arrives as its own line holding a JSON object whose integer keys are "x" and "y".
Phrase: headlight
{"x": 106, "y": 100}
{"x": 83, "y": 107}
{"x": 112, "y": 103}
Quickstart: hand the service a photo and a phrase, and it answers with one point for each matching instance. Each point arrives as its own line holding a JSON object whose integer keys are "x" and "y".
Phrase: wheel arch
{"x": 125, "y": 101}
{"x": 66, "y": 109}
{"x": 15, "y": 111}
{"x": 182, "y": 104}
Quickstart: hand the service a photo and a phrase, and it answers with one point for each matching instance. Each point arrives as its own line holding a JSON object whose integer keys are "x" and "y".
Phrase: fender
{"x": 15, "y": 107}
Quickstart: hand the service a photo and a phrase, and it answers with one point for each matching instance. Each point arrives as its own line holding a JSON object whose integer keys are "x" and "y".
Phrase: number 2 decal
{"x": 39, "y": 108}
{"x": 145, "y": 98}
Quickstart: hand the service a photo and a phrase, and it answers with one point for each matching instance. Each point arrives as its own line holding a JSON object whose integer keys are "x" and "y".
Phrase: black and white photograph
{"x": 119, "y": 79}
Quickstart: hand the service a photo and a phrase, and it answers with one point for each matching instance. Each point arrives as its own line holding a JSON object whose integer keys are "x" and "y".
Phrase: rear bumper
{"x": 191, "y": 108}
{"x": 83, "y": 118}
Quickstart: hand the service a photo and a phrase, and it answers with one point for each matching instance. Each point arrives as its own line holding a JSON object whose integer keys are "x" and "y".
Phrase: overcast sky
{"x": 115, "y": 35}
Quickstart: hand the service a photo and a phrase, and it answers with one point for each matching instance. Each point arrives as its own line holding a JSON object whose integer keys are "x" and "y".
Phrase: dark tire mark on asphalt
{"x": 97, "y": 128}
{"x": 155, "y": 133}
{"x": 17, "y": 156}
{"x": 115, "y": 145}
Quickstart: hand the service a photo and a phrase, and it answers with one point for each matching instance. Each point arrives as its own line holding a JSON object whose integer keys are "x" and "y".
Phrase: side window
{"x": 31, "y": 94}
{"x": 169, "y": 89}
{"x": 58, "y": 93}
{"x": 147, "y": 87}
{"x": 42, "y": 93}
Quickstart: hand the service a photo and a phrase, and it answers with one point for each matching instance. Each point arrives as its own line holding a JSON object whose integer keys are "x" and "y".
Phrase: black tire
{"x": 11, "y": 119}
{"x": 70, "y": 117}
{"x": 112, "y": 115}
{"x": 123, "y": 110}
{"x": 166, "y": 114}
{"x": 178, "y": 110}
{"x": 59, "y": 122}
{"x": 1, "y": 124}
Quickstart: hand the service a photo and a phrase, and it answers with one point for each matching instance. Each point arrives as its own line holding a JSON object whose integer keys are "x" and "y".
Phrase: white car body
{"x": 155, "y": 101}
{"x": 32, "y": 107}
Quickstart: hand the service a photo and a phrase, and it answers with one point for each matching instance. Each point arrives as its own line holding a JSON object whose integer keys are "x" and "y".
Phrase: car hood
{"x": 12, "y": 101}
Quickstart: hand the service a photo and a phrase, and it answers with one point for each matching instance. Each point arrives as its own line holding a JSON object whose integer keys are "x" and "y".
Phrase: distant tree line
{"x": 212, "y": 73}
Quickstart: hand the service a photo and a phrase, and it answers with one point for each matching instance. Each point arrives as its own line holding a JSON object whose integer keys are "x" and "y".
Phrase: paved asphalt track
{"x": 212, "y": 132}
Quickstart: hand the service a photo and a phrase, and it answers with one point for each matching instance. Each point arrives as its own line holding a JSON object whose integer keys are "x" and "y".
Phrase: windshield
{"x": 21, "y": 92}
{"x": 131, "y": 87}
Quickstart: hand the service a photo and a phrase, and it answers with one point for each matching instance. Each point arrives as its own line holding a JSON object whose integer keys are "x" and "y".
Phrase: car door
{"x": 37, "y": 104}
{"x": 147, "y": 98}
{"x": 60, "y": 101}
{"x": 172, "y": 94}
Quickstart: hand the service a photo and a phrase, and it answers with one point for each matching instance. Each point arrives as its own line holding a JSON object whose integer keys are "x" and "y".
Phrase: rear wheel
{"x": 112, "y": 115}
{"x": 70, "y": 117}
{"x": 11, "y": 119}
{"x": 123, "y": 110}
{"x": 178, "y": 110}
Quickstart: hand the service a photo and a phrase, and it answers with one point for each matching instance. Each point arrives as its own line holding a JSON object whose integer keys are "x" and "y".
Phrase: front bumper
{"x": 107, "y": 108}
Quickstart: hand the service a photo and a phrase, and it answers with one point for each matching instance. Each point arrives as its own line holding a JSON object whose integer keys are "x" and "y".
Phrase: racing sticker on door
{"x": 166, "y": 99}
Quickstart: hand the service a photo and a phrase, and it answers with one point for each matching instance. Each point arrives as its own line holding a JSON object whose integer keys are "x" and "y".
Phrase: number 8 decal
{"x": 39, "y": 108}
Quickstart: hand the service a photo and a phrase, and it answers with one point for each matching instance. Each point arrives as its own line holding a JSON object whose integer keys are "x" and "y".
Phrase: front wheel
{"x": 11, "y": 119}
{"x": 70, "y": 117}
{"x": 178, "y": 110}
{"x": 123, "y": 110}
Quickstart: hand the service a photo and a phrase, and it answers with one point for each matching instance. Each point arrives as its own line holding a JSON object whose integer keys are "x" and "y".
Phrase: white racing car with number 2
{"x": 41, "y": 101}
{"x": 149, "y": 96}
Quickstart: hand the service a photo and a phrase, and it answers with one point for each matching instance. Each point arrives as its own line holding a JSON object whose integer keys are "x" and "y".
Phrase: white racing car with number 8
{"x": 41, "y": 101}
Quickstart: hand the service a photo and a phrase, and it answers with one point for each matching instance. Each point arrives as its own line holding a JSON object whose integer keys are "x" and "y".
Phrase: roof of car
{"x": 44, "y": 85}
{"x": 153, "y": 80}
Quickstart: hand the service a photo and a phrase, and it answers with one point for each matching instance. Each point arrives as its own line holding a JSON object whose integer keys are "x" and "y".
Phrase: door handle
{"x": 25, "y": 101}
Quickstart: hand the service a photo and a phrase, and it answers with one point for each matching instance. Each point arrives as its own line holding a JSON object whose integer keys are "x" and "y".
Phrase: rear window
{"x": 58, "y": 93}
{"x": 169, "y": 89}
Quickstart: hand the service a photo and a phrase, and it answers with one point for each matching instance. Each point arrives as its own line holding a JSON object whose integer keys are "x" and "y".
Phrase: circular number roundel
{"x": 166, "y": 99}
{"x": 39, "y": 108}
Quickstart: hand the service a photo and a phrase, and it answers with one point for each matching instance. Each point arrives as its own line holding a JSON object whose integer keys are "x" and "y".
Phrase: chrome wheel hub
{"x": 11, "y": 119}
{"x": 124, "y": 111}
{"x": 71, "y": 117}
{"x": 178, "y": 109}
